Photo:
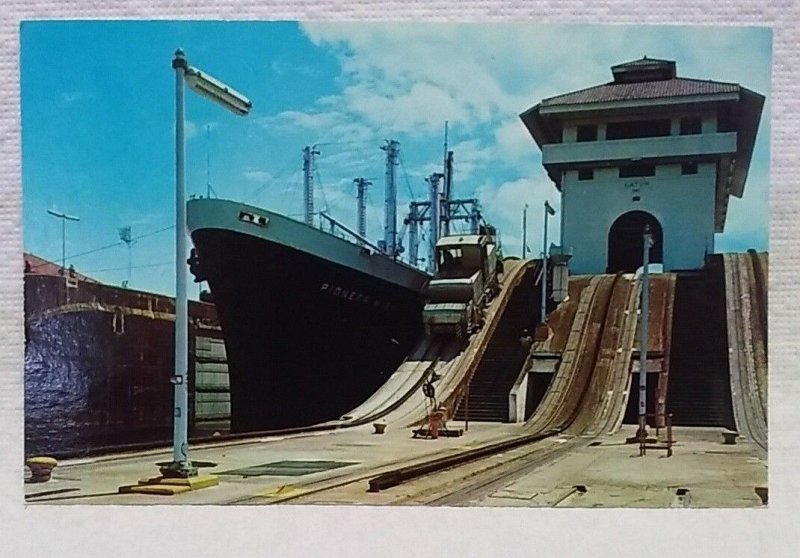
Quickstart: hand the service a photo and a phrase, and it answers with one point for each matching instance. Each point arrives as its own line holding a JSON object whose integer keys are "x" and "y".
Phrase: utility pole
{"x": 525, "y": 231}
{"x": 125, "y": 236}
{"x": 64, "y": 218}
{"x": 433, "y": 180}
{"x": 392, "y": 149}
{"x": 643, "y": 323}
{"x": 308, "y": 183}
{"x": 361, "y": 188}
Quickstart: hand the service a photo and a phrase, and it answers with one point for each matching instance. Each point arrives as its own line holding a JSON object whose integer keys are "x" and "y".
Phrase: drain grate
{"x": 295, "y": 468}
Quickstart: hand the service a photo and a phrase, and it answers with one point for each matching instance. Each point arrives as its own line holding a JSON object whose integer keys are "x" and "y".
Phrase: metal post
{"x": 361, "y": 188}
{"x": 180, "y": 445}
{"x": 413, "y": 234}
{"x": 525, "y": 231}
{"x": 466, "y": 408}
{"x": 392, "y": 149}
{"x": 64, "y": 218}
{"x": 64, "y": 246}
{"x": 308, "y": 183}
{"x": 433, "y": 180}
{"x": 643, "y": 322}
{"x": 547, "y": 211}
{"x": 475, "y": 216}
{"x": 447, "y": 193}
{"x": 125, "y": 236}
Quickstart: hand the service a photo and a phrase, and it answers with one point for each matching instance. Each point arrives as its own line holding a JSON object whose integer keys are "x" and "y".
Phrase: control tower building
{"x": 648, "y": 148}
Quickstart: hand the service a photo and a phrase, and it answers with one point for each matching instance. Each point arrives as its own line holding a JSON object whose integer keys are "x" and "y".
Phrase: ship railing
{"x": 359, "y": 239}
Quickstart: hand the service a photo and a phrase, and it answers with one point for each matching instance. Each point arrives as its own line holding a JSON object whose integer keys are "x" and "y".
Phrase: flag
{"x": 549, "y": 209}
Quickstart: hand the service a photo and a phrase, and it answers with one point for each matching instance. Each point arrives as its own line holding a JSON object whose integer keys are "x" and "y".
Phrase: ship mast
{"x": 413, "y": 233}
{"x": 308, "y": 183}
{"x": 436, "y": 203}
{"x": 361, "y": 187}
{"x": 448, "y": 185}
{"x": 392, "y": 149}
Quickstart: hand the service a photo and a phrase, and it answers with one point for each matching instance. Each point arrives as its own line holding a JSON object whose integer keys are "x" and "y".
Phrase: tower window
{"x": 587, "y": 132}
{"x": 638, "y": 129}
{"x": 691, "y": 125}
{"x": 585, "y": 174}
{"x": 630, "y": 171}
{"x": 689, "y": 168}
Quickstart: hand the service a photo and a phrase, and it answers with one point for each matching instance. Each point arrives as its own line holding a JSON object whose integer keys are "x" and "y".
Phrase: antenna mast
{"x": 308, "y": 183}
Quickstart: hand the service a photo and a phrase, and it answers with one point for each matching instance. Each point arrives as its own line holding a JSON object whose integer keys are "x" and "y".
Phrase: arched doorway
{"x": 625, "y": 241}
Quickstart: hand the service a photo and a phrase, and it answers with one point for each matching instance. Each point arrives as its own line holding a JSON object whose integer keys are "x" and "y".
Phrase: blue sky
{"x": 98, "y": 121}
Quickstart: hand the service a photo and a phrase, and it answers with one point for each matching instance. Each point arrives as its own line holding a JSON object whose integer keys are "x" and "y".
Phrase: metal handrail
{"x": 355, "y": 235}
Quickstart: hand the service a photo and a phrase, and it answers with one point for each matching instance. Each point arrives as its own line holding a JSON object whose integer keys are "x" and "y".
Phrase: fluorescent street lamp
{"x": 213, "y": 89}
{"x": 64, "y": 218}
{"x": 237, "y": 103}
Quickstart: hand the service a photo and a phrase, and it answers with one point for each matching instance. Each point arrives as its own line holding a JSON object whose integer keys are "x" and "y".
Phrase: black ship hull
{"x": 98, "y": 360}
{"x": 307, "y": 339}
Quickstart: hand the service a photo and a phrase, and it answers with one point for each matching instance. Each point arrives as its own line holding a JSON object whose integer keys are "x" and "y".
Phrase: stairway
{"x": 504, "y": 356}
{"x": 699, "y": 386}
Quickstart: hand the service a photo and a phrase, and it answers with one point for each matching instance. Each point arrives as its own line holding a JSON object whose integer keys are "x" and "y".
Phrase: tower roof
{"x": 640, "y": 90}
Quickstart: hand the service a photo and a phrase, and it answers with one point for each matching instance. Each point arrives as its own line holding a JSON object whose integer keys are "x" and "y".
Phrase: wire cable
{"x": 405, "y": 176}
{"x": 107, "y": 246}
{"x": 126, "y": 267}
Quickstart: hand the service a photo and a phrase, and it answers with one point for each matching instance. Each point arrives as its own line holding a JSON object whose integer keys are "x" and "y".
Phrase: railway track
{"x": 745, "y": 293}
{"x": 586, "y": 401}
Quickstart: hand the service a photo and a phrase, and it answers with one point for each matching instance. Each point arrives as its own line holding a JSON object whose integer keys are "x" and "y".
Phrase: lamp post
{"x": 525, "y": 231}
{"x": 548, "y": 210}
{"x": 220, "y": 93}
{"x": 64, "y": 218}
{"x": 643, "y": 323}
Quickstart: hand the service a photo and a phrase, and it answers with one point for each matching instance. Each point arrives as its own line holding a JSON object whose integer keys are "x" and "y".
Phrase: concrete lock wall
{"x": 682, "y": 204}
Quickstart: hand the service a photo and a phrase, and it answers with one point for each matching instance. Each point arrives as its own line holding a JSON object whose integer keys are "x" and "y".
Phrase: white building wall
{"x": 683, "y": 204}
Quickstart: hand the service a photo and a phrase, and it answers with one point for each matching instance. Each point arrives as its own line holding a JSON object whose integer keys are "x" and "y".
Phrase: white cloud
{"x": 260, "y": 176}
{"x": 281, "y": 69}
{"x": 70, "y": 97}
{"x": 328, "y": 125}
{"x": 504, "y": 204}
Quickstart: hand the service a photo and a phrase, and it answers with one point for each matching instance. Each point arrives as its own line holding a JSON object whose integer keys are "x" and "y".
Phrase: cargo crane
{"x": 466, "y": 281}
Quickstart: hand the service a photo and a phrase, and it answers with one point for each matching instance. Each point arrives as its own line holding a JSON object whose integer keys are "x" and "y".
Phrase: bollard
{"x": 41, "y": 468}
{"x": 729, "y": 437}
